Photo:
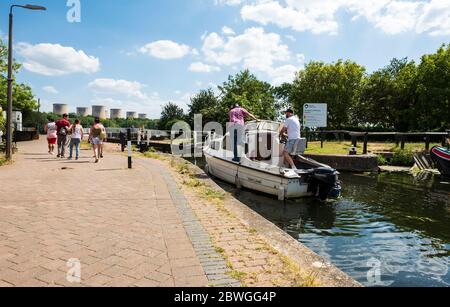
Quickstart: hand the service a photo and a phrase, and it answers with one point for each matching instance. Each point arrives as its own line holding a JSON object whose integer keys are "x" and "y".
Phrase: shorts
{"x": 290, "y": 147}
{"x": 97, "y": 141}
{"x": 51, "y": 141}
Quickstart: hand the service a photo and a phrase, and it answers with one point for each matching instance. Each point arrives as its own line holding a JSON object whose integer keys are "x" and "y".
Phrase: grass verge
{"x": 342, "y": 148}
{"x": 2, "y": 160}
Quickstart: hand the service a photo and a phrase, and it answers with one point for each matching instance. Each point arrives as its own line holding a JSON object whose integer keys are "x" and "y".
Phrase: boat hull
{"x": 441, "y": 157}
{"x": 246, "y": 177}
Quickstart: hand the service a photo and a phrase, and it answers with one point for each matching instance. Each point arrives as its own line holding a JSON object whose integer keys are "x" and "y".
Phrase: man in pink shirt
{"x": 239, "y": 114}
{"x": 237, "y": 119}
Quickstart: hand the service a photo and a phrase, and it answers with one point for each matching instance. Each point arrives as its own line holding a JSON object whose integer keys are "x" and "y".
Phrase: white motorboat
{"x": 262, "y": 167}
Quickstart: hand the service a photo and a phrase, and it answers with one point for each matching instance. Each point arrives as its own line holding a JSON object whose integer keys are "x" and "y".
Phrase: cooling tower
{"x": 142, "y": 116}
{"x": 99, "y": 111}
{"x": 83, "y": 112}
{"x": 60, "y": 109}
{"x": 132, "y": 115}
{"x": 116, "y": 113}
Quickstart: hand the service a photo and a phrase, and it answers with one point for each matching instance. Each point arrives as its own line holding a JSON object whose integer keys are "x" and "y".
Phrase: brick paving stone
{"x": 246, "y": 252}
{"x": 129, "y": 231}
{"x": 98, "y": 280}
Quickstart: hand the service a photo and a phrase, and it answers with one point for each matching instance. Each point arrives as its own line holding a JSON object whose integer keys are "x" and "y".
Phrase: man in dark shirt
{"x": 63, "y": 126}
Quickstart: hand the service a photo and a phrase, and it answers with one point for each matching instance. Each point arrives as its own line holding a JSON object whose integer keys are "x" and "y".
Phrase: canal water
{"x": 386, "y": 230}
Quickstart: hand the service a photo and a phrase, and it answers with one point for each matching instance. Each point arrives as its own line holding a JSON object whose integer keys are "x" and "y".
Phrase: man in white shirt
{"x": 292, "y": 128}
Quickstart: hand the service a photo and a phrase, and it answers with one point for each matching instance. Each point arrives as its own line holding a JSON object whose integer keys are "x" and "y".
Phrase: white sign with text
{"x": 315, "y": 115}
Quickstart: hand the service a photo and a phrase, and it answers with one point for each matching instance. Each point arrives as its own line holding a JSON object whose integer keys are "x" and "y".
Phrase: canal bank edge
{"x": 325, "y": 272}
{"x": 347, "y": 163}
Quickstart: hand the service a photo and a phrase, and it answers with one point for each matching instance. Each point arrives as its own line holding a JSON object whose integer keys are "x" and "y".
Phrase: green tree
{"x": 336, "y": 84}
{"x": 2, "y": 120}
{"x": 256, "y": 96}
{"x": 205, "y": 103}
{"x": 388, "y": 96}
{"x": 283, "y": 95}
{"x": 433, "y": 90}
{"x": 23, "y": 98}
{"x": 171, "y": 113}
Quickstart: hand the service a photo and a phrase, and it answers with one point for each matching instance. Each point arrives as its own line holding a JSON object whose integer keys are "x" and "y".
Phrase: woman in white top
{"x": 52, "y": 134}
{"x": 77, "y": 136}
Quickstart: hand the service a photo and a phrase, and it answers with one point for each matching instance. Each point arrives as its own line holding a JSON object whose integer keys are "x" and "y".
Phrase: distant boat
{"x": 441, "y": 157}
{"x": 269, "y": 175}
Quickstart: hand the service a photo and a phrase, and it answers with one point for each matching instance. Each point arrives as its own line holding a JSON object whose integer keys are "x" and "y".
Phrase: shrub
{"x": 2, "y": 123}
{"x": 382, "y": 160}
{"x": 403, "y": 158}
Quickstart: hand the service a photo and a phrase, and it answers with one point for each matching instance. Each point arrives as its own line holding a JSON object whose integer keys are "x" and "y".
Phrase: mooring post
{"x": 427, "y": 142}
{"x": 122, "y": 141}
{"x": 130, "y": 162}
{"x": 402, "y": 140}
{"x": 354, "y": 141}
{"x": 307, "y": 137}
{"x": 366, "y": 143}
{"x": 321, "y": 139}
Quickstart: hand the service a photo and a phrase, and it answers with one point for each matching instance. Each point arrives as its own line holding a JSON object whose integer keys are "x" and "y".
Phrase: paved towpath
{"x": 120, "y": 227}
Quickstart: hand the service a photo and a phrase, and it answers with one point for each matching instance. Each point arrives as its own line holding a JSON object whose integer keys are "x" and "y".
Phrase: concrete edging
{"x": 328, "y": 275}
{"x": 346, "y": 163}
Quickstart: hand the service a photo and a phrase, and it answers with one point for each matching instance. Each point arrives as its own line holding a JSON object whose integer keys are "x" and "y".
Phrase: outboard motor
{"x": 324, "y": 183}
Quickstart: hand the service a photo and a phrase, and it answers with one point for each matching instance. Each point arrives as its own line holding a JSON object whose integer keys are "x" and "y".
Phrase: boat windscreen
{"x": 263, "y": 126}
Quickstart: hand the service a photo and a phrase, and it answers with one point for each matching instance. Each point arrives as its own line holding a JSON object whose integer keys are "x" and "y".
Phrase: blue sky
{"x": 140, "y": 54}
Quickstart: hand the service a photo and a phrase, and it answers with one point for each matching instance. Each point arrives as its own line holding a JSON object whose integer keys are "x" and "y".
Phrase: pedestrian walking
{"x": 52, "y": 135}
{"x": 63, "y": 126}
{"x": 95, "y": 137}
{"x": 77, "y": 136}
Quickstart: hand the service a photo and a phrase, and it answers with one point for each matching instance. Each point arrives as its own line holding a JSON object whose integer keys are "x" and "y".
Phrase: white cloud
{"x": 50, "y": 89}
{"x": 56, "y": 60}
{"x": 320, "y": 16}
{"x": 123, "y": 87}
{"x": 291, "y": 38}
{"x": 166, "y": 50}
{"x": 255, "y": 49}
{"x": 228, "y": 2}
{"x": 299, "y": 15}
{"x": 282, "y": 74}
{"x": 392, "y": 17}
{"x": 435, "y": 18}
{"x": 203, "y": 68}
{"x": 228, "y": 31}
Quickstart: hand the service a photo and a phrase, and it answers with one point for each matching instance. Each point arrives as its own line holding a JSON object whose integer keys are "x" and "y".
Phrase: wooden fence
{"x": 400, "y": 138}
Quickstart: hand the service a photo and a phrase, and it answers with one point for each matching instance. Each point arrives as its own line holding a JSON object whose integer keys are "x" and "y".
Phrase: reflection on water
{"x": 398, "y": 221}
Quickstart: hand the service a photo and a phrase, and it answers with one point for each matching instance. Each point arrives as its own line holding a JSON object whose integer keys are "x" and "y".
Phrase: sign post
{"x": 315, "y": 115}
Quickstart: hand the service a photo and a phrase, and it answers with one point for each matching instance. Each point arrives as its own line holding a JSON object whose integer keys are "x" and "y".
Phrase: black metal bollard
{"x": 366, "y": 144}
{"x": 427, "y": 143}
{"x": 322, "y": 139}
{"x": 402, "y": 141}
{"x": 130, "y": 162}
{"x": 122, "y": 141}
{"x": 354, "y": 141}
